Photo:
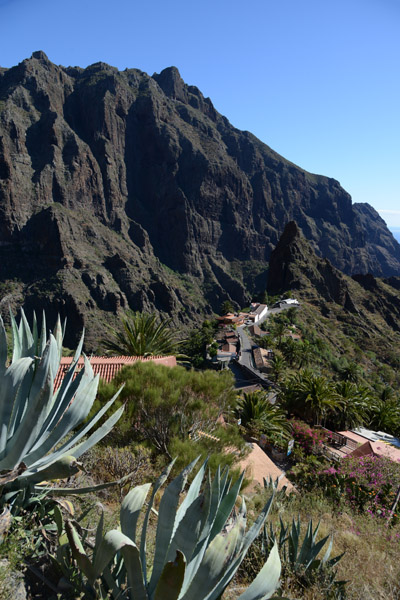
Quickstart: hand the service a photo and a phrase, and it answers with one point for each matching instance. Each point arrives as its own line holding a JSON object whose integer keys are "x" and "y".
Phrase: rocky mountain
{"x": 365, "y": 304}
{"x": 122, "y": 189}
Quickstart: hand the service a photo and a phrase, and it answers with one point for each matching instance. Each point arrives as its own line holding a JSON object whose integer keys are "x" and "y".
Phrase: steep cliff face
{"x": 365, "y": 301}
{"x": 125, "y": 189}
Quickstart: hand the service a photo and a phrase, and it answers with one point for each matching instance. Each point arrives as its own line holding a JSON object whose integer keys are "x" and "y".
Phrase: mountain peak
{"x": 40, "y": 55}
{"x": 171, "y": 83}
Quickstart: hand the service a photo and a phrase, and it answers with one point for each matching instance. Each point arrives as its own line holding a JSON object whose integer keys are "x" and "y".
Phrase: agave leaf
{"x": 25, "y": 432}
{"x": 242, "y": 520}
{"x": 225, "y": 482}
{"x": 78, "y": 350}
{"x": 170, "y": 583}
{"x": 113, "y": 542}
{"x": 110, "y": 544}
{"x": 58, "y": 335}
{"x": 78, "y": 551}
{"x": 234, "y": 565}
{"x": 333, "y": 561}
{"x": 57, "y": 491}
{"x": 187, "y": 533}
{"x": 226, "y": 507}
{"x": 3, "y": 348}
{"x": 314, "y": 536}
{"x": 86, "y": 398}
{"x": 131, "y": 508}
{"x": 35, "y": 334}
{"x": 99, "y": 534}
{"x": 134, "y": 572}
{"x": 20, "y": 402}
{"x": 165, "y": 525}
{"x": 26, "y": 337}
{"x": 315, "y": 550}
{"x": 216, "y": 561}
{"x": 213, "y": 495}
{"x": 16, "y": 339}
{"x": 294, "y": 541}
{"x": 8, "y": 391}
{"x": 43, "y": 338}
{"x": 328, "y": 551}
{"x": 98, "y": 435}
{"x": 267, "y": 580}
{"x": 31, "y": 422}
{"x": 305, "y": 549}
{"x": 191, "y": 494}
{"x": 160, "y": 481}
{"x": 41, "y": 446}
{"x": 62, "y": 468}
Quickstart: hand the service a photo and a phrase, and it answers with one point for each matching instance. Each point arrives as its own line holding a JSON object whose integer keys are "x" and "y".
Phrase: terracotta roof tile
{"x": 108, "y": 366}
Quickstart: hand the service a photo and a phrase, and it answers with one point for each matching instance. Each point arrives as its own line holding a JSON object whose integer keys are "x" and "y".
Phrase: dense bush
{"x": 368, "y": 483}
{"x": 164, "y": 403}
{"x": 307, "y": 438}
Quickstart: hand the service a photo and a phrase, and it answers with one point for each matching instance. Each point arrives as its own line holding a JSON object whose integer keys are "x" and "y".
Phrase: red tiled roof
{"x": 108, "y": 366}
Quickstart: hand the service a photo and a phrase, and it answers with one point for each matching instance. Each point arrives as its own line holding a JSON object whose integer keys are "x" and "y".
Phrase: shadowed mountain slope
{"x": 369, "y": 304}
{"x": 120, "y": 189}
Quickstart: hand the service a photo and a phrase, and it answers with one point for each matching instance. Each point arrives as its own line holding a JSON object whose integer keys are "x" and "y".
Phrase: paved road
{"x": 246, "y": 359}
{"x": 247, "y": 345}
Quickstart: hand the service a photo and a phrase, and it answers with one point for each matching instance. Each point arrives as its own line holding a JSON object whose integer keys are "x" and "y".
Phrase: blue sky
{"x": 318, "y": 81}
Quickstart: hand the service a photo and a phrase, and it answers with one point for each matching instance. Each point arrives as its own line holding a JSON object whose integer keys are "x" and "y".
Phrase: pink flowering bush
{"x": 367, "y": 483}
{"x": 307, "y": 438}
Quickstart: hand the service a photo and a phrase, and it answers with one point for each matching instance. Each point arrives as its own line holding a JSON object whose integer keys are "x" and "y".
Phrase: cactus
{"x": 199, "y": 546}
{"x": 35, "y": 420}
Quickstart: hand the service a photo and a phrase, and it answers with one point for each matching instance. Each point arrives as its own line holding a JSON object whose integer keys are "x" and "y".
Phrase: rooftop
{"x": 108, "y": 366}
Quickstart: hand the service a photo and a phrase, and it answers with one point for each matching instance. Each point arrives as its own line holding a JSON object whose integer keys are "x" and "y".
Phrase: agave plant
{"x": 36, "y": 420}
{"x": 199, "y": 544}
{"x": 300, "y": 556}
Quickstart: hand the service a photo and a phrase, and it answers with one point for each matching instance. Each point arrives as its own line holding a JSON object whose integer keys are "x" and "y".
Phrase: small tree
{"x": 163, "y": 403}
{"x": 227, "y": 307}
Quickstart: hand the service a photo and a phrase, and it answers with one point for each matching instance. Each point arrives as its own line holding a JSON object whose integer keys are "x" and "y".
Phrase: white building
{"x": 258, "y": 312}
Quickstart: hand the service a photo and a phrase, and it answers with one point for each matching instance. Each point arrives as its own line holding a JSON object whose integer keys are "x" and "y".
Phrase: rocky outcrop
{"x": 294, "y": 265}
{"x": 121, "y": 189}
{"x": 363, "y": 300}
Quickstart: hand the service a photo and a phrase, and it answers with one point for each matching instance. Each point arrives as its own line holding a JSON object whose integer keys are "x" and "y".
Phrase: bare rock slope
{"x": 120, "y": 189}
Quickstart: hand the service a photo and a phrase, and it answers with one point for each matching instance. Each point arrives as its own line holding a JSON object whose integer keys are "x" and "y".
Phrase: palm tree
{"x": 278, "y": 331}
{"x": 355, "y": 405}
{"x": 258, "y": 415}
{"x": 310, "y": 397}
{"x": 350, "y": 372}
{"x": 385, "y": 416}
{"x": 278, "y": 366}
{"x": 143, "y": 335}
{"x": 291, "y": 351}
{"x": 306, "y": 352}
{"x": 319, "y": 396}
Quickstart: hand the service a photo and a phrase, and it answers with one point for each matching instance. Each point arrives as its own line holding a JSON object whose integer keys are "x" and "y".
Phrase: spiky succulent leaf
{"x": 267, "y": 580}
{"x": 130, "y": 509}
{"x": 166, "y": 522}
{"x": 170, "y": 583}
{"x": 33, "y": 418}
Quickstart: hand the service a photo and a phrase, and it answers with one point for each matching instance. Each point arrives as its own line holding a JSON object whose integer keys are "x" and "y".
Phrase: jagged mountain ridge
{"x": 119, "y": 189}
{"x": 368, "y": 303}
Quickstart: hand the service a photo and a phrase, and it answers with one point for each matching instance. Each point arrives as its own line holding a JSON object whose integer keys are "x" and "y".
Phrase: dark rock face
{"x": 122, "y": 189}
{"x": 362, "y": 299}
{"x": 295, "y": 266}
